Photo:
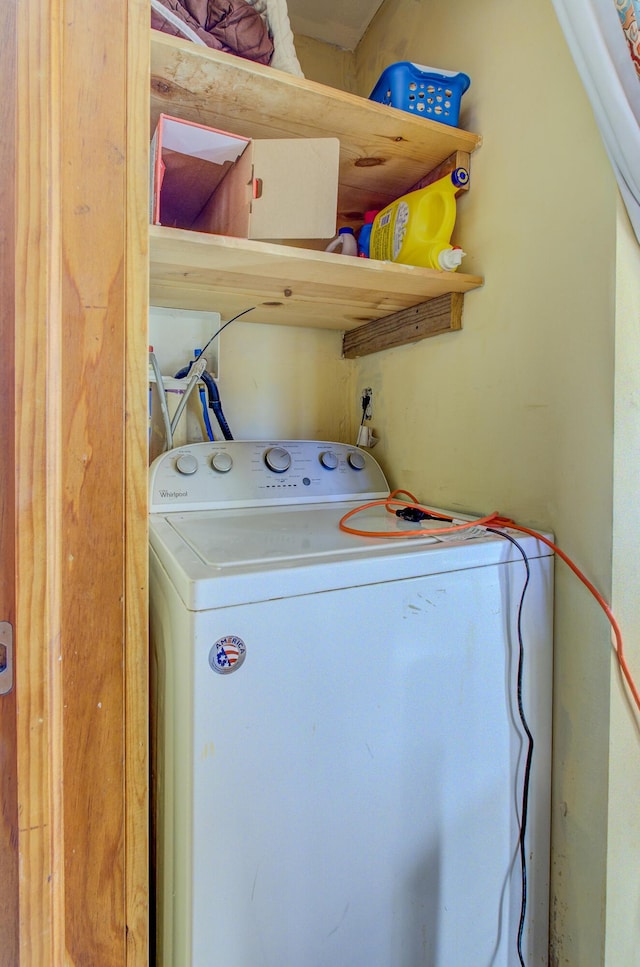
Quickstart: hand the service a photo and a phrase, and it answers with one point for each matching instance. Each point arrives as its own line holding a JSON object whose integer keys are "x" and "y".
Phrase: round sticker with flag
{"x": 227, "y": 654}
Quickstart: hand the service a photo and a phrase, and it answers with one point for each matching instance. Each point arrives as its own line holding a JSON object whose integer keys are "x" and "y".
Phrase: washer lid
{"x": 227, "y": 557}
{"x": 231, "y": 539}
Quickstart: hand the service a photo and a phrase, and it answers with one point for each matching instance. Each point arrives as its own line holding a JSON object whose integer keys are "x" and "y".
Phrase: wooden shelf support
{"x": 442, "y": 314}
{"x": 459, "y": 159}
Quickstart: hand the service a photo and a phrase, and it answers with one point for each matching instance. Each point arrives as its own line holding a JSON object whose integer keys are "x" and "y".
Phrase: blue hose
{"x": 205, "y": 413}
{"x": 216, "y": 405}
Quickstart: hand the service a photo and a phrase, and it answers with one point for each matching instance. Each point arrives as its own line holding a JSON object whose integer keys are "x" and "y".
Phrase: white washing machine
{"x": 339, "y": 761}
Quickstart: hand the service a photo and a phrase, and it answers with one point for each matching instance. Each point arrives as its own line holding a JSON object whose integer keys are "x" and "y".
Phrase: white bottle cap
{"x": 450, "y": 258}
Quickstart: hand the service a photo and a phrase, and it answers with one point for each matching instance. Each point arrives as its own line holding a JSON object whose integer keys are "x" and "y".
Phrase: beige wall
{"x": 285, "y": 382}
{"x": 516, "y": 412}
{"x": 326, "y": 64}
{"x": 523, "y": 408}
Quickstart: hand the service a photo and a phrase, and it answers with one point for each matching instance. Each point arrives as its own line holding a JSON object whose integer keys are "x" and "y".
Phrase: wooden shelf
{"x": 384, "y": 153}
{"x": 193, "y": 270}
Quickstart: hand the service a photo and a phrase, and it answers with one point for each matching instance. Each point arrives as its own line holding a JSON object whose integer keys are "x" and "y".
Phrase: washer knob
{"x": 356, "y": 460}
{"x": 329, "y": 460}
{"x": 278, "y": 459}
{"x": 186, "y": 463}
{"x": 221, "y": 462}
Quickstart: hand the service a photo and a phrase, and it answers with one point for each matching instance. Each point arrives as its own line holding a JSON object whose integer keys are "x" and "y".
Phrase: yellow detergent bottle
{"x": 416, "y": 229}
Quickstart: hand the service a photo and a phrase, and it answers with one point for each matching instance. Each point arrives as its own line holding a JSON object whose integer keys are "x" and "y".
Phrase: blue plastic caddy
{"x": 425, "y": 91}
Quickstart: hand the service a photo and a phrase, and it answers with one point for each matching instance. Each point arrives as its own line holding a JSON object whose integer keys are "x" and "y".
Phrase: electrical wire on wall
{"x": 187, "y": 369}
{"x": 224, "y": 326}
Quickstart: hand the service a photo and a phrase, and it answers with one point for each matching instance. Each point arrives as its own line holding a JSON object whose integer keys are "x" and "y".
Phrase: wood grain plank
{"x": 38, "y": 484}
{"x": 9, "y": 869}
{"x": 136, "y": 662}
{"x": 93, "y": 229}
{"x": 460, "y": 159}
{"x": 78, "y": 857}
{"x": 443, "y": 314}
{"x": 218, "y": 257}
{"x": 286, "y": 284}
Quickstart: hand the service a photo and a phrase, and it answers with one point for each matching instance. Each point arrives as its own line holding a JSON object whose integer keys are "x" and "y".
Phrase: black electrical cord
{"x": 415, "y": 515}
{"x": 208, "y": 380}
{"x": 366, "y": 399}
{"x": 529, "y": 758}
{"x": 187, "y": 369}
{"x": 233, "y": 319}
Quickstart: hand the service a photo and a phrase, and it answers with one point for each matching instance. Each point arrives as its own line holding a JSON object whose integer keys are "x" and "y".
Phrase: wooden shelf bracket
{"x": 438, "y": 315}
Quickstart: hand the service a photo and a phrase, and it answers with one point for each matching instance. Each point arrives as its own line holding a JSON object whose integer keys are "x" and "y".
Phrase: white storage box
{"x": 212, "y": 181}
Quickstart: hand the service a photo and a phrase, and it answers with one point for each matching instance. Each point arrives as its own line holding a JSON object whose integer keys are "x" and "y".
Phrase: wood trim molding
{"x": 80, "y": 471}
{"x": 9, "y": 872}
{"x": 38, "y": 484}
{"x": 136, "y": 666}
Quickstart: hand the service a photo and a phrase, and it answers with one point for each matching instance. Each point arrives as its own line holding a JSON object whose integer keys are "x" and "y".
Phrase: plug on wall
{"x": 366, "y": 403}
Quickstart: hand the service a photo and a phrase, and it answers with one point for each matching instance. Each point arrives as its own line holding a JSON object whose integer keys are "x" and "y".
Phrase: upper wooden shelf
{"x": 384, "y": 152}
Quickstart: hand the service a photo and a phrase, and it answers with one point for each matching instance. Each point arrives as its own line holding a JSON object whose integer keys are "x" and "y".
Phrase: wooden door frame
{"x": 79, "y": 304}
{"x": 9, "y": 872}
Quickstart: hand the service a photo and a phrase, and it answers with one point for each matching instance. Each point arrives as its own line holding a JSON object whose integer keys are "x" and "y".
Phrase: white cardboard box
{"x": 212, "y": 181}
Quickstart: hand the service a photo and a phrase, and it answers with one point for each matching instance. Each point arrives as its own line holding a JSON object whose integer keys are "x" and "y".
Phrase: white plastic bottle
{"x": 344, "y": 243}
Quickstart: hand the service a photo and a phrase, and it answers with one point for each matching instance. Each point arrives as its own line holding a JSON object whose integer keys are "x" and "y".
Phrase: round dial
{"x": 278, "y": 459}
{"x": 356, "y": 460}
{"x": 221, "y": 462}
{"x": 186, "y": 463}
{"x": 329, "y": 460}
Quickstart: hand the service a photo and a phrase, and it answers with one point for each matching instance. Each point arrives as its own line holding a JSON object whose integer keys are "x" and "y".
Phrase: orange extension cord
{"x": 491, "y": 520}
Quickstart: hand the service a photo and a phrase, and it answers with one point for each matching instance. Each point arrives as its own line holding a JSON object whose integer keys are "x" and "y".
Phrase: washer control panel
{"x": 250, "y": 473}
